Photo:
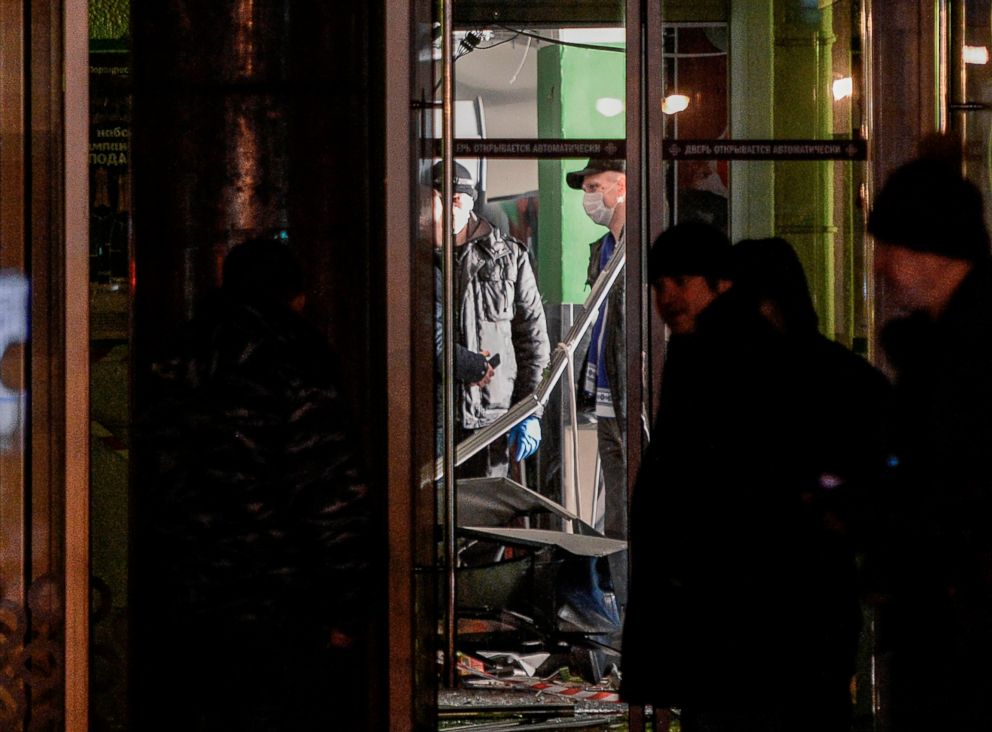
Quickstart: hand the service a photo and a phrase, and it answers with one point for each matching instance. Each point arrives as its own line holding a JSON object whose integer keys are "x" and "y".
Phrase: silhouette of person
{"x": 253, "y": 548}
{"x": 603, "y": 183}
{"x": 847, "y": 396}
{"x": 933, "y": 559}
{"x": 498, "y": 311}
{"x": 843, "y": 400}
{"x": 724, "y": 620}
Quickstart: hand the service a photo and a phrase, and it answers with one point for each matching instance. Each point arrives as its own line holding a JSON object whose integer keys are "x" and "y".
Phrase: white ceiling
{"x": 503, "y": 75}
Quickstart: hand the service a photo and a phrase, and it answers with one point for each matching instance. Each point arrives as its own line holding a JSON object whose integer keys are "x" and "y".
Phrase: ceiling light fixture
{"x": 843, "y": 88}
{"x": 609, "y": 106}
{"x": 978, "y": 55}
{"x": 674, "y": 103}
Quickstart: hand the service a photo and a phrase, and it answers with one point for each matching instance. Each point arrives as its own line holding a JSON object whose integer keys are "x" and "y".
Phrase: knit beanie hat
{"x": 928, "y": 206}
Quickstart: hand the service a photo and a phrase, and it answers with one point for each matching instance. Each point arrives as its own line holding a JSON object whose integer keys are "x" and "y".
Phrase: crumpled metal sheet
{"x": 580, "y": 546}
{"x": 498, "y": 501}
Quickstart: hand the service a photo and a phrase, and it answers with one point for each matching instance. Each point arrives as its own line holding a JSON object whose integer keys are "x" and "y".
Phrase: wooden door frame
{"x": 76, "y": 339}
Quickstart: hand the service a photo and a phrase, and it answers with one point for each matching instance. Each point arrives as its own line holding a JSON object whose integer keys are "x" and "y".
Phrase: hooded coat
{"x": 737, "y": 597}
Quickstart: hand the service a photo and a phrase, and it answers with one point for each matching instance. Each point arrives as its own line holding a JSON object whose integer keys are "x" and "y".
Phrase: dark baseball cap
{"x": 462, "y": 182}
{"x": 595, "y": 165}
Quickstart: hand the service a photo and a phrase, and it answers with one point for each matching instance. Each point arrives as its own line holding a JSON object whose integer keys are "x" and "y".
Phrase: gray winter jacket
{"x": 498, "y": 309}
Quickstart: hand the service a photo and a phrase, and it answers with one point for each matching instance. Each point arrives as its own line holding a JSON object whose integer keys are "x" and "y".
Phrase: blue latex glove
{"x": 525, "y": 438}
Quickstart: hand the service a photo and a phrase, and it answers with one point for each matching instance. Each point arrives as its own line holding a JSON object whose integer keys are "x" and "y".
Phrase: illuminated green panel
{"x": 109, "y": 20}
{"x": 570, "y": 82}
{"x": 804, "y": 205}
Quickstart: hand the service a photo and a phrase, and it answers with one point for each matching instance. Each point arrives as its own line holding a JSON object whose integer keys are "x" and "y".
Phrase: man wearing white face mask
{"x": 603, "y": 183}
{"x": 498, "y": 312}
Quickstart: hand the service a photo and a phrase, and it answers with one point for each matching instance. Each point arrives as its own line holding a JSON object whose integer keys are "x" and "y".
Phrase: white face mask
{"x": 596, "y": 210}
{"x": 461, "y": 212}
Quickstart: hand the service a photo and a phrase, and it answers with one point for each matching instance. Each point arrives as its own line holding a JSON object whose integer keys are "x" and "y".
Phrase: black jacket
{"x": 470, "y": 366}
{"x": 933, "y": 557}
{"x": 253, "y": 548}
{"x": 253, "y": 506}
{"x": 748, "y": 580}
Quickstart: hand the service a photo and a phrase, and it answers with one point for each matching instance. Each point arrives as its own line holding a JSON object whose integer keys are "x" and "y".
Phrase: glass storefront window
{"x": 762, "y": 127}
{"x": 540, "y": 564}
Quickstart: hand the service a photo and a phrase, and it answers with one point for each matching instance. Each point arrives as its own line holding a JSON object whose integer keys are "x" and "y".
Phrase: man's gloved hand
{"x": 525, "y": 438}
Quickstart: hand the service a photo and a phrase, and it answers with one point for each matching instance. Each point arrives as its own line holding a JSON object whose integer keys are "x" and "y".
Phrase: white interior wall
{"x": 510, "y": 108}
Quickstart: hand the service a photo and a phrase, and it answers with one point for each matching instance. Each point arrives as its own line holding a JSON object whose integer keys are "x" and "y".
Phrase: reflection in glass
{"x": 13, "y": 330}
{"x": 696, "y": 105}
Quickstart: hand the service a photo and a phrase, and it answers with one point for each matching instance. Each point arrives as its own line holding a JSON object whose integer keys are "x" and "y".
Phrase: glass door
{"x": 534, "y": 154}
{"x": 110, "y": 351}
{"x": 765, "y": 135}
{"x": 750, "y": 116}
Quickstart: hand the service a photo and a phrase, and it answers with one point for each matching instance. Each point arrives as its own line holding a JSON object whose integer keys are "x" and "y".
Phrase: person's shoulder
{"x": 490, "y": 240}
{"x": 518, "y": 247}
{"x": 830, "y": 349}
{"x": 840, "y": 363}
{"x": 592, "y": 272}
{"x": 966, "y": 323}
{"x": 508, "y": 239}
{"x": 730, "y": 318}
{"x": 597, "y": 243}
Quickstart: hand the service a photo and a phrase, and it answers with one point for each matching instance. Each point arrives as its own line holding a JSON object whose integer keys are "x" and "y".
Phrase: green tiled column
{"x": 804, "y": 206}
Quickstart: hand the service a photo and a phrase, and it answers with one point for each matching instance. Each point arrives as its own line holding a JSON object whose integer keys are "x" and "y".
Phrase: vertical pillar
{"x": 253, "y": 117}
{"x": 752, "y": 117}
{"x": 828, "y": 227}
{"x": 803, "y": 74}
{"x": 209, "y": 148}
{"x": 849, "y": 262}
{"x": 247, "y": 123}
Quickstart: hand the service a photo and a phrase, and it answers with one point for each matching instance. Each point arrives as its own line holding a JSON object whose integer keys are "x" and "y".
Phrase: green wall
{"x": 569, "y": 82}
{"x": 804, "y": 205}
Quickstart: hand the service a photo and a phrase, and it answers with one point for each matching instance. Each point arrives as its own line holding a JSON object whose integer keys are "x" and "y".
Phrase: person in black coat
{"x": 933, "y": 556}
{"x": 846, "y": 396}
{"x": 839, "y": 461}
{"x": 729, "y": 579}
{"x": 254, "y": 558}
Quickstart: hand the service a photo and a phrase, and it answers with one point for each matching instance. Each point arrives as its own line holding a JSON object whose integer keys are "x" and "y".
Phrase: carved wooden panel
{"x": 32, "y": 651}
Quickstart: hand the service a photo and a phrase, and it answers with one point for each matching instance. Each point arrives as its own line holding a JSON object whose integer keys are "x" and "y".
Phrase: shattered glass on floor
{"x": 538, "y": 618}
{"x": 498, "y": 709}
